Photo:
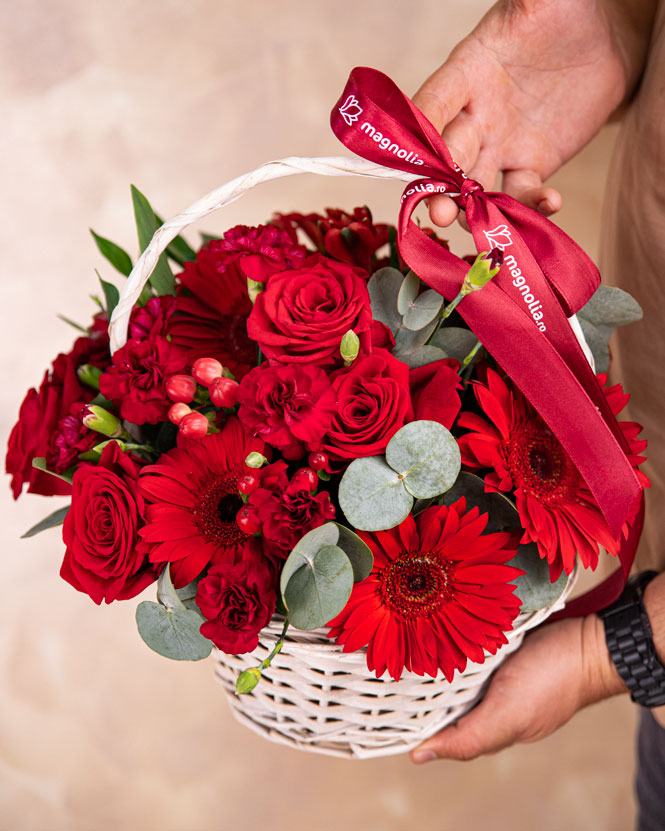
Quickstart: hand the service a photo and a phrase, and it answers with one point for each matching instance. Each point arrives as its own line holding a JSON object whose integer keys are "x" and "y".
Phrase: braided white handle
{"x": 224, "y": 195}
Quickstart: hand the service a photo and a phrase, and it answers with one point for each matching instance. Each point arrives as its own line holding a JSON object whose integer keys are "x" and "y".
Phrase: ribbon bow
{"x": 521, "y": 316}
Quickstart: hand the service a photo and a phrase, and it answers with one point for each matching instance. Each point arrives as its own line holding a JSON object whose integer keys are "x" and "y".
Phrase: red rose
{"x": 303, "y": 315}
{"x": 212, "y": 301}
{"x": 287, "y": 406}
{"x": 136, "y": 383}
{"x": 238, "y": 600}
{"x": 41, "y": 412}
{"x": 105, "y": 556}
{"x": 287, "y": 510}
{"x": 373, "y": 402}
{"x": 434, "y": 391}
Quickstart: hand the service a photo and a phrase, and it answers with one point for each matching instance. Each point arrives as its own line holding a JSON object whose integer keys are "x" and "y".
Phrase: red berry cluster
{"x": 222, "y": 391}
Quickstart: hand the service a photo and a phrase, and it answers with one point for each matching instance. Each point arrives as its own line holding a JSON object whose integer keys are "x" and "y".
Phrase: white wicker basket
{"x": 314, "y": 696}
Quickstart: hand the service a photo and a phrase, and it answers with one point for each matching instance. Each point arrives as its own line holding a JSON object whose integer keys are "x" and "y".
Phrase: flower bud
{"x": 89, "y": 375}
{"x": 194, "y": 426}
{"x": 255, "y": 460}
{"x": 181, "y": 388}
{"x": 247, "y": 680}
{"x": 102, "y": 421}
{"x": 349, "y": 347}
{"x": 254, "y": 289}
{"x": 205, "y": 370}
{"x": 224, "y": 392}
{"x": 485, "y": 266}
{"x": 318, "y": 461}
{"x": 178, "y": 411}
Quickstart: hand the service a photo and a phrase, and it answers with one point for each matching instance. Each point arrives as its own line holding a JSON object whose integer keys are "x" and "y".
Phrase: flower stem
{"x": 450, "y": 308}
{"x": 277, "y": 648}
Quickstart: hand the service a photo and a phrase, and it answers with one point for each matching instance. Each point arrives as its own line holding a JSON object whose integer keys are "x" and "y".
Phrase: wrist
{"x": 601, "y": 678}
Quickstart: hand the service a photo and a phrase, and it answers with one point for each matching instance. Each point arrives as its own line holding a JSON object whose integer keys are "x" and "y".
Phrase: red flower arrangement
{"x": 280, "y": 431}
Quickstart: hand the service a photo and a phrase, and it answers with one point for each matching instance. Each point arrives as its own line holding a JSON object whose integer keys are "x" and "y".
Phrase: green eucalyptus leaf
{"x": 424, "y": 309}
{"x": 455, "y": 341}
{"x": 50, "y": 521}
{"x": 162, "y": 278}
{"x": 305, "y": 549}
{"x": 383, "y": 287}
{"x": 534, "y": 587}
{"x": 40, "y": 463}
{"x": 408, "y": 292}
{"x": 407, "y": 341}
{"x": 611, "y": 307}
{"x": 502, "y": 513}
{"x": 118, "y": 257}
{"x": 358, "y": 552}
{"x": 172, "y": 633}
{"x": 372, "y": 496}
{"x": 597, "y": 343}
{"x": 166, "y": 593}
{"x": 426, "y": 456}
{"x": 425, "y": 355}
{"x": 187, "y": 595}
{"x": 318, "y": 591}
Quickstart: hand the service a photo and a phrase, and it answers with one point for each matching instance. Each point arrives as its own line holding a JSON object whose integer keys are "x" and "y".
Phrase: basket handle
{"x": 218, "y": 198}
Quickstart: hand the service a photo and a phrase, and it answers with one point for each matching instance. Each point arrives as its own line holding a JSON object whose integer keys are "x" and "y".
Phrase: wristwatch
{"x": 630, "y": 642}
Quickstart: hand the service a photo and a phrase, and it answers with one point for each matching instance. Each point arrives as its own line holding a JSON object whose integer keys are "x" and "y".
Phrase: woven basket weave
{"x": 314, "y": 696}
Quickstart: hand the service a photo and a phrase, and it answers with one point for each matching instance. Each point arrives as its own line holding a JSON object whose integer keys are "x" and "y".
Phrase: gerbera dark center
{"x": 541, "y": 466}
{"x": 416, "y": 585}
{"x": 216, "y": 508}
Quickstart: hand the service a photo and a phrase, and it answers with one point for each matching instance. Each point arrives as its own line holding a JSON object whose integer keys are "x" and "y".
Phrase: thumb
{"x": 443, "y": 95}
{"x": 527, "y": 187}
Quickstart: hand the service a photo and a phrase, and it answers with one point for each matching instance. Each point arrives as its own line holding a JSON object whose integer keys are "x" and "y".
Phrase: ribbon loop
{"x": 522, "y": 315}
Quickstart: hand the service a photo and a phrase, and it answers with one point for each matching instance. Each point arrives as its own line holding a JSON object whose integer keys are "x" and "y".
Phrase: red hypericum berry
{"x": 329, "y": 510}
{"x": 224, "y": 392}
{"x": 248, "y": 521}
{"x": 249, "y": 483}
{"x": 194, "y": 426}
{"x": 318, "y": 461}
{"x": 205, "y": 370}
{"x": 307, "y": 477}
{"x": 181, "y": 388}
{"x": 178, "y": 412}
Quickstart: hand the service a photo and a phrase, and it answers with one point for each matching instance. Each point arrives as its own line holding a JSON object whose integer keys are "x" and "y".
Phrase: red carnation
{"x": 373, "y": 402}
{"x": 71, "y": 439}
{"x": 287, "y": 406}
{"x": 212, "y": 301}
{"x": 238, "y": 600}
{"x": 42, "y": 411}
{"x": 303, "y": 315}
{"x": 105, "y": 557}
{"x": 557, "y": 510}
{"x": 288, "y": 510}
{"x": 439, "y": 594}
{"x": 136, "y": 383}
{"x": 193, "y": 499}
{"x": 434, "y": 391}
{"x": 153, "y": 318}
{"x": 350, "y": 238}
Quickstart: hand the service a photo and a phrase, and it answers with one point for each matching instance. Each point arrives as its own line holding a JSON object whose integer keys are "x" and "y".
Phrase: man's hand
{"x": 530, "y": 86}
{"x": 559, "y": 669}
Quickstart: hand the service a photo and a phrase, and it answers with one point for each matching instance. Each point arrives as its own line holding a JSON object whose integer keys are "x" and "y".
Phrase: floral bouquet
{"x": 298, "y": 433}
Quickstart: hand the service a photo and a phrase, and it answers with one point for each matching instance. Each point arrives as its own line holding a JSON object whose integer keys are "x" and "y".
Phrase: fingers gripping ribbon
{"x": 375, "y": 120}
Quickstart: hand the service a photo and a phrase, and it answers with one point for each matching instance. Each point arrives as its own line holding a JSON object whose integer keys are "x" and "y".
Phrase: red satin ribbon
{"x": 541, "y": 354}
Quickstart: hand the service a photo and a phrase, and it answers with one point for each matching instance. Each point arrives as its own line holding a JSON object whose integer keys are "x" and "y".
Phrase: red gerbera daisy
{"x": 557, "y": 510}
{"x": 193, "y": 499}
{"x": 439, "y": 593}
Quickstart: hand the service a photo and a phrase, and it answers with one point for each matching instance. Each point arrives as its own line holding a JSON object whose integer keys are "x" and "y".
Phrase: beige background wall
{"x": 96, "y": 732}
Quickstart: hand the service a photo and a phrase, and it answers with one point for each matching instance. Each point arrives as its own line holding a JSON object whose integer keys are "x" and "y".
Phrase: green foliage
{"x": 119, "y": 258}
{"x": 51, "y": 521}
{"x": 162, "y": 278}
{"x": 40, "y": 463}
{"x": 606, "y": 309}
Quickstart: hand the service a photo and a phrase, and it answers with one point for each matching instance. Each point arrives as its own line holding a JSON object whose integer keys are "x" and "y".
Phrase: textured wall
{"x": 95, "y": 730}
